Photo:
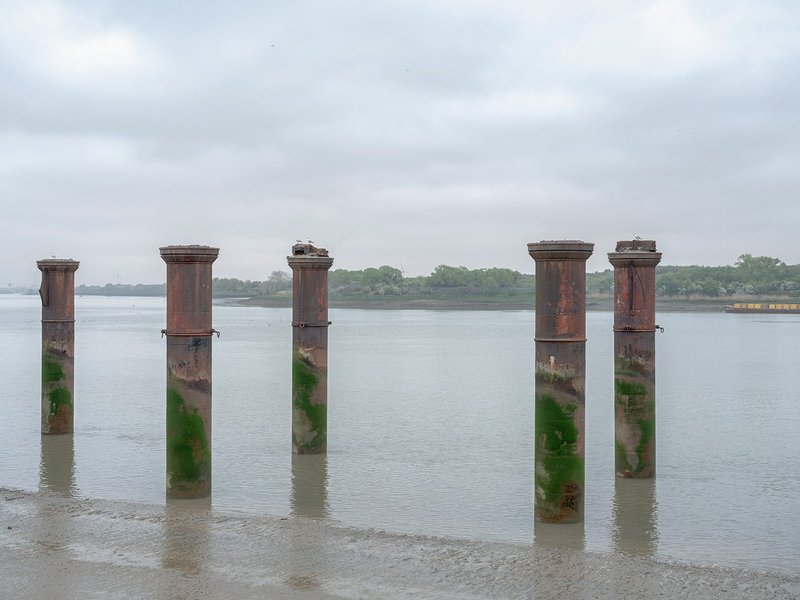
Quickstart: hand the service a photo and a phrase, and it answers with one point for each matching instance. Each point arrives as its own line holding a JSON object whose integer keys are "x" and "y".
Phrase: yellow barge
{"x": 750, "y": 307}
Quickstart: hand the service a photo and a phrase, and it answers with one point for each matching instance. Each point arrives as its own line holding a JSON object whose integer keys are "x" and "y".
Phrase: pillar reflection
{"x": 559, "y": 535}
{"x": 187, "y": 538}
{"x": 635, "y": 516}
{"x": 307, "y": 552}
{"x": 310, "y": 486}
{"x": 57, "y": 464}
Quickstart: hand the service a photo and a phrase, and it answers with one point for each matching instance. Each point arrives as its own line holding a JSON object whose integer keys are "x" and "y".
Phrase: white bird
{"x": 637, "y": 237}
{"x": 310, "y": 241}
{"x": 299, "y": 241}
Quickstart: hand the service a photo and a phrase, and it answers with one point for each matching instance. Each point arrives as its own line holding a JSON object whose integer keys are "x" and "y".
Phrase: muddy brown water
{"x": 431, "y": 426}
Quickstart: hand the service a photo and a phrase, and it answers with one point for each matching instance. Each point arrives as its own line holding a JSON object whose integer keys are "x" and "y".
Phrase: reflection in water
{"x": 53, "y": 533}
{"x": 187, "y": 537}
{"x": 57, "y": 464}
{"x": 309, "y": 499}
{"x": 305, "y": 559}
{"x": 310, "y": 486}
{"x": 635, "y": 530}
{"x": 559, "y": 535}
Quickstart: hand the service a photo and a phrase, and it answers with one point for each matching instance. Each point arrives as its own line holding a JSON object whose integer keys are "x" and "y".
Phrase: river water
{"x": 431, "y": 426}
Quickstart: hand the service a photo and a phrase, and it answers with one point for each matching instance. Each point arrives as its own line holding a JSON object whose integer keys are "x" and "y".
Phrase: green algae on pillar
{"x": 559, "y": 473}
{"x": 57, "y": 293}
{"x": 310, "y": 323}
{"x": 634, "y": 263}
{"x": 189, "y": 333}
{"x": 309, "y": 419}
{"x": 188, "y": 450}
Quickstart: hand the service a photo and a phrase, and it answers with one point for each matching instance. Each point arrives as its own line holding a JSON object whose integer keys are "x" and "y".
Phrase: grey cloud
{"x": 424, "y": 132}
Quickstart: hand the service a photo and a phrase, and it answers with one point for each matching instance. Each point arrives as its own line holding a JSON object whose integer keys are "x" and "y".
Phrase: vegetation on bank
{"x": 751, "y": 276}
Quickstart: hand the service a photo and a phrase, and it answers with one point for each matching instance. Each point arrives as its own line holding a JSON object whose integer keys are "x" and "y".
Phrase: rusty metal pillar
{"x": 58, "y": 343}
{"x": 189, "y": 369}
{"x": 310, "y": 267}
{"x": 560, "y": 375}
{"x": 635, "y": 357}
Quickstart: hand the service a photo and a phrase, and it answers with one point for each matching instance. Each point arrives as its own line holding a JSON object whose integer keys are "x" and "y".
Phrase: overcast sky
{"x": 410, "y": 132}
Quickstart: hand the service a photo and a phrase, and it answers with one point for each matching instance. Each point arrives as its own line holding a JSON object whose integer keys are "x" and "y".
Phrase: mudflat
{"x": 57, "y": 547}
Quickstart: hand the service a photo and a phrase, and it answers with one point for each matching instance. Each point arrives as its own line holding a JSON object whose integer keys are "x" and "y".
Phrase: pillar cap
{"x": 310, "y": 262}
{"x": 640, "y": 252}
{"x": 560, "y": 250}
{"x": 58, "y": 264}
{"x": 189, "y": 254}
{"x": 309, "y": 256}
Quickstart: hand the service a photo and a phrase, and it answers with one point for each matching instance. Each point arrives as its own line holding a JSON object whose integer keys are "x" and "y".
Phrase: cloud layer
{"x": 406, "y": 133}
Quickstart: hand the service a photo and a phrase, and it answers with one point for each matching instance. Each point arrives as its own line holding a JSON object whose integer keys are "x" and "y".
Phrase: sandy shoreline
{"x": 52, "y": 546}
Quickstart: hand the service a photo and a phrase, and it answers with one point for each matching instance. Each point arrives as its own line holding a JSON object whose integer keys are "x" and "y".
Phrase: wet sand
{"x": 56, "y": 547}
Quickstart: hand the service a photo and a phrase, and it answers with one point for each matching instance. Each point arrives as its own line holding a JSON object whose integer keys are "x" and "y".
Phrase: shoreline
{"x": 54, "y": 546}
{"x": 592, "y": 304}
{"x": 602, "y": 304}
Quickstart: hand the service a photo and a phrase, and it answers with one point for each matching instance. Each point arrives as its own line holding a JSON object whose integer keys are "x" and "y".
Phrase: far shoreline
{"x": 592, "y": 304}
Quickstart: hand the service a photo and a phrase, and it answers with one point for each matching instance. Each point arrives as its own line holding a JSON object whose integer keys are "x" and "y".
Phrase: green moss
{"x": 188, "y": 454}
{"x": 557, "y": 439}
{"x": 51, "y": 371}
{"x": 59, "y": 397}
{"x": 631, "y": 389}
{"x": 304, "y": 381}
{"x": 630, "y": 397}
{"x": 648, "y": 432}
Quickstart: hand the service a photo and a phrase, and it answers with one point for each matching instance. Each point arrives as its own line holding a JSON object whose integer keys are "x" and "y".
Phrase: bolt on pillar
{"x": 634, "y": 265}
{"x": 189, "y": 334}
{"x": 310, "y": 267}
{"x": 560, "y": 376}
{"x": 58, "y": 343}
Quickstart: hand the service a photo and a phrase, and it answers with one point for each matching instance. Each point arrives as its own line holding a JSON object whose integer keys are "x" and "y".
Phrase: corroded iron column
{"x": 310, "y": 267}
{"x": 58, "y": 343}
{"x": 560, "y": 374}
{"x": 189, "y": 369}
{"x": 634, "y": 357}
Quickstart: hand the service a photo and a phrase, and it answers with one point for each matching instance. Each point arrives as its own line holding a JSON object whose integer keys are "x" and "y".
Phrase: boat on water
{"x": 750, "y": 307}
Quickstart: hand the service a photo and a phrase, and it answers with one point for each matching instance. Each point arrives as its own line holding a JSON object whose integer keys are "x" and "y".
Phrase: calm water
{"x": 431, "y": 426}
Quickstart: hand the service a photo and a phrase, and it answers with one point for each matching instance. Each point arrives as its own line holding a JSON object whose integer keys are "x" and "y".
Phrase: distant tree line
{"x": 445, "y": 281}
{"x": 749, "y": 276}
